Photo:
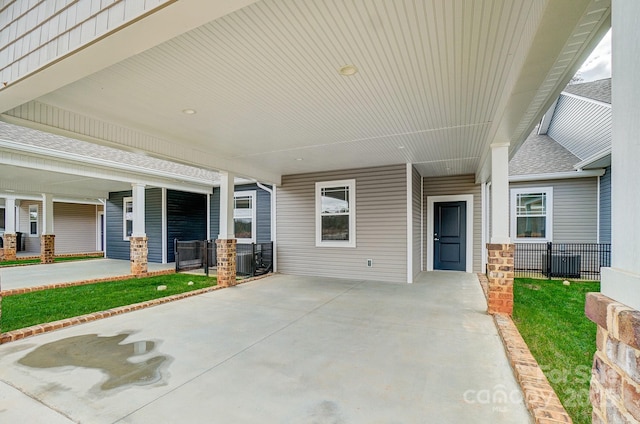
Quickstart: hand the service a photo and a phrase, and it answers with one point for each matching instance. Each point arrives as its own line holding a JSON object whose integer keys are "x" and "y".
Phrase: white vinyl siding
{"x": 127, "y": 218}
{"x": 75, "y": 227}
{"x": 581, "y": 126}
{"x": 458, "y": 185}
{"x": 36, "y": 32}
{"x": 575, "y": 217}
{"x": 381, "y": 226}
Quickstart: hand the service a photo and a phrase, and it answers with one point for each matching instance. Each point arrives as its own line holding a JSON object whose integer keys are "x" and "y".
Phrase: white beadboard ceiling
{"x": 438, "y": 81}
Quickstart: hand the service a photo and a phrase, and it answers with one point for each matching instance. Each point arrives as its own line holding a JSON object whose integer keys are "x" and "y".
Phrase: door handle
{"x": 436, "y": 239}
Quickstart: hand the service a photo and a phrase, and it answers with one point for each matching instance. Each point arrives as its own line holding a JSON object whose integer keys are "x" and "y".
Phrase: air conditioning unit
{"x": 563, "y": 265}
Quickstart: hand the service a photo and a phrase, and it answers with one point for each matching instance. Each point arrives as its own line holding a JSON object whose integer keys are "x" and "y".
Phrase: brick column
{"x": 47, "y": 248}
{"x": 139, "y": 252}
{"x": 10, "y": 243}
{"x": 615, "y": 377}
{"x": 226, "y": 252}
{"x": 500, "y": 275}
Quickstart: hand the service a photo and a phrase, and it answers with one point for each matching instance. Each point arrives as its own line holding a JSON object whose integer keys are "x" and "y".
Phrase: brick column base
{"x": 226, "y": 252}
{"x": 47, "y": 248}
{"x": 615, "y": 377}
{"x": 139, "y": 252}
{"x": 500, "y": 275}
{"x": 10, "y": 243}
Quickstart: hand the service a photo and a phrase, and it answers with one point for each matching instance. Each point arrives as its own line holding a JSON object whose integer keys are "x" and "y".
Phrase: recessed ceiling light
{"x": 189, "y": 111}
{"x": 400, "y": 147}
{"x": 299, "y": 159}
{"x": 348, "y": 70}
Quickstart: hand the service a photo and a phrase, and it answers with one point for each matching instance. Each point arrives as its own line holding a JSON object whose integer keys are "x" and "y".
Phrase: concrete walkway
{"x": 283, "y": 349}
{"x": 62, "y": 272}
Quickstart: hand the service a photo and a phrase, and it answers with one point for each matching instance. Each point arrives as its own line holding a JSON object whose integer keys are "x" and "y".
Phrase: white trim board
{"x": 468, "y": 198}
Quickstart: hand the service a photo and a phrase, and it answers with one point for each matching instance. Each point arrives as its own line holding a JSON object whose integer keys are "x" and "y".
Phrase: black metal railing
{"x": 561, "y": 260}
{"x": 251, "y": 259}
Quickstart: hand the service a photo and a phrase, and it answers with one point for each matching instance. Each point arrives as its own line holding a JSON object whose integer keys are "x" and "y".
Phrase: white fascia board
{"x": 52, "y": 164}
{"x": 592, "y": 159}
{"x": 557, "y": 175}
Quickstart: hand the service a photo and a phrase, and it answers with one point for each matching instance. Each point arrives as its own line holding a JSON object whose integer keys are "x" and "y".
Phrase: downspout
{"x": 272, "y": 193}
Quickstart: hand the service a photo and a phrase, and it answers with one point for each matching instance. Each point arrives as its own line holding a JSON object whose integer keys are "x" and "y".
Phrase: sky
{"x": 598, "y": 64}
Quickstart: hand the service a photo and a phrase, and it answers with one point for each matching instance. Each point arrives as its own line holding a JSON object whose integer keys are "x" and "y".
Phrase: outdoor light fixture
{"x": 348, "y": 70}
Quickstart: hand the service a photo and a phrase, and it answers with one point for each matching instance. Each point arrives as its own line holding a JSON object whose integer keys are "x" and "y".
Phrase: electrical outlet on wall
{"x": 369, "y": 263}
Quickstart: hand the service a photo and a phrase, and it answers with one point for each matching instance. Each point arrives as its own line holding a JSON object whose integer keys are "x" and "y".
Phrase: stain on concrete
{"x": 107, "y": 354}
{"x": 326, "y": 412}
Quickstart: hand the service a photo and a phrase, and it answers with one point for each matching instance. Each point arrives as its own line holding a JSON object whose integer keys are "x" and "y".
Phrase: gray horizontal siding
{"x": 581, "y": 126}
{"x": 574, "y": 208}
{"x": 381, "y": 226}
{"x": 458, "y": 185}
{"x": 605, "y": 207}
{"x": 416, "y": 204}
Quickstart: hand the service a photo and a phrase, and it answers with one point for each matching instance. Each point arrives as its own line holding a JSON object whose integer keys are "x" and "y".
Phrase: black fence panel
{"x": 251, "y": 259}
{"x": 561, "y": 260}
{"x": 189, "y": 254}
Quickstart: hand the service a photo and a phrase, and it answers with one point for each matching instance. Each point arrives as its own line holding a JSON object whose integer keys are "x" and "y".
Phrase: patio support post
{"x": 226, "y": 242}
{"x": 615, "y": 377}
{"x": 138, "y": 243}
{"x": 9, "y": 238}
{"x": 500, "y": 249}
{"x": 47, "y": 236}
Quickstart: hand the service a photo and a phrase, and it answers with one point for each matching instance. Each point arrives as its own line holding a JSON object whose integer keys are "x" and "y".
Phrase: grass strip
{"x": 550, "y": 317}
{"x": 24, "y": 310}
{"x": 58, "y": 259}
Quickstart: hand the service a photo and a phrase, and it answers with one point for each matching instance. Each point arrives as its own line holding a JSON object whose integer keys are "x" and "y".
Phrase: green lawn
{"x": 551, "y": 319}
{"x": 37, "y": 261}
{"x": 24, "y": 310}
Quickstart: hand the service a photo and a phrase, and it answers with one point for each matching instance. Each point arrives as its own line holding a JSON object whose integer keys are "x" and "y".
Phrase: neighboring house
{"x": 560, "y": 179}
{"x": 174, "y": 214}
{"x": 78, "y": 226}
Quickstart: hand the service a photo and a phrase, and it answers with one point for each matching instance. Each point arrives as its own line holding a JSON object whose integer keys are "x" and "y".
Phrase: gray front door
{"x": 450, "y": 236}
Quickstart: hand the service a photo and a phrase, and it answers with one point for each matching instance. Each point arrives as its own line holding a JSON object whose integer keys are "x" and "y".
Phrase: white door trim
{"x": 468, "y": 198}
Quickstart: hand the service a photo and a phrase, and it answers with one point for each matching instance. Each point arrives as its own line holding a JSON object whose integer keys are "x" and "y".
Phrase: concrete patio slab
{"x": 63, "y": 272}
{"x": 283, "y": 349}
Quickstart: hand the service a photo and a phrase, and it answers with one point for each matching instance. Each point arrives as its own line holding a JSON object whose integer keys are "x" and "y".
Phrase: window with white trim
{"x": 33, "y": 220}
{"x": 531, "y": 214}
{"x": 336, "y": 213}
{"x": 127, "y": 217}
{"x": 244, "y": 216}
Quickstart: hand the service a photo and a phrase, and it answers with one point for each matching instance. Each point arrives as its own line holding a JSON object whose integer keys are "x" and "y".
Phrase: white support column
{"x": 139, "y": 229}
{"x": 227, "y": 188}
{"x": 621, "y": 282}
{"x": 10, "y": 215}
{"x": 500, "y": 193}
{"x": 47, "y": 214}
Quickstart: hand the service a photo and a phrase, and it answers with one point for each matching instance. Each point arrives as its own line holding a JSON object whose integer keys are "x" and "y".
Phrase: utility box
{"x": 563, "y": 265}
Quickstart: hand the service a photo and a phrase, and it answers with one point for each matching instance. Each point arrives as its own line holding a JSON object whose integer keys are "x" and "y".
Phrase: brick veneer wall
{"x": 615, "y": 376}
{"x": 47, "y": 248}
{"x": 500, "y": 275}
{"x": 226, "y": 271}
{"x": 139, "y": 252}
{"x": 10, "y": 242}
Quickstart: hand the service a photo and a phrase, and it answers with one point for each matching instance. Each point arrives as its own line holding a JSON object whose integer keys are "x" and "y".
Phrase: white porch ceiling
{"x": 437, "y": 82}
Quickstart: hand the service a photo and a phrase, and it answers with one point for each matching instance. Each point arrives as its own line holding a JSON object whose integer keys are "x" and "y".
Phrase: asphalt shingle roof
{"x": 597, "y": 90}
{"x": 541, "y": 154}
{"x": 44, "y": 140}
